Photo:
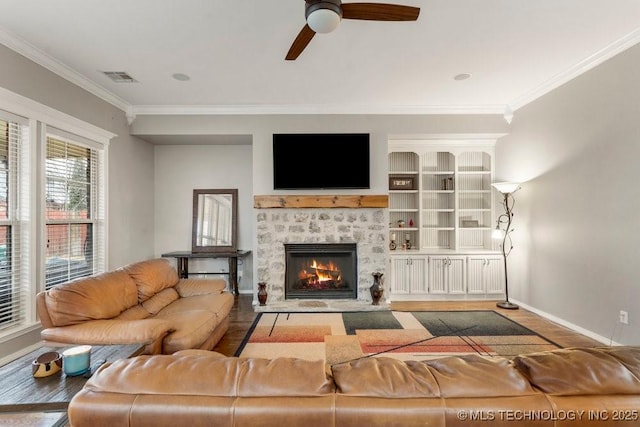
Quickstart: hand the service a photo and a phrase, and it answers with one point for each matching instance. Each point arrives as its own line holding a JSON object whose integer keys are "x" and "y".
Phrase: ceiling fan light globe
{"x": 323, "y": 20}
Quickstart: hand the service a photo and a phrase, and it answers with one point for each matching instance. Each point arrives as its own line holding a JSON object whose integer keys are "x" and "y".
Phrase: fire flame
{"x": 321, "y": 272}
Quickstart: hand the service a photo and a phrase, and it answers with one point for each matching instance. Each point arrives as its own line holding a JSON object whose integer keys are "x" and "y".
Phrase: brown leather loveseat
{"x": 570, "y": 387}
{"x": 142, "y": 303}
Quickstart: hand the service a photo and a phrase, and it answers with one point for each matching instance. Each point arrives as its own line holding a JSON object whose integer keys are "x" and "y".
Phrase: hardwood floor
{"x": 242, "y": 317}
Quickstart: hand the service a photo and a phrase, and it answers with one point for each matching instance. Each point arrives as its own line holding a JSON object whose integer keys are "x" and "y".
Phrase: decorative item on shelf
{"x": 410, "y": 222}
{"x": 447, "y": 184}
{"x": 503, "y": 231}
{"x": 401, "y": 183}
{"x": 262, "y": 293}
{"x": 376, "y": 289}
{"x": 46, "y": 364}
{"x": 392, "y": 244}
{"x": 407, "y": 238}
{"x": 401, "y": 223}
{"x": 470, "y": 223}
{"x": 76, "y": 360}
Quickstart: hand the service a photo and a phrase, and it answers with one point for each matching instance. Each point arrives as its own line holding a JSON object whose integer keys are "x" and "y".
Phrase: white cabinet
{"x": 409, "y": 275}
{"x": 446, "y": 275}
{"x": 485, "y": 275}
{"x": 441, "y": 202}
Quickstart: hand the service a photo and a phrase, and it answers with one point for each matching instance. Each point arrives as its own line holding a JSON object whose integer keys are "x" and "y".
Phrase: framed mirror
{"x": 215, "y": 214}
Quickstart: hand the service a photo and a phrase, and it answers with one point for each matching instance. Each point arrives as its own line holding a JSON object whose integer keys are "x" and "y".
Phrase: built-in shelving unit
{"x": 444, "y": 205}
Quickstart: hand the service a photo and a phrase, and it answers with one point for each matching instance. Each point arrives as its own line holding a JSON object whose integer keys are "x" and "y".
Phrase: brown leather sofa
{"x": 570, "y": 387}
{"x": 142, "y": 303}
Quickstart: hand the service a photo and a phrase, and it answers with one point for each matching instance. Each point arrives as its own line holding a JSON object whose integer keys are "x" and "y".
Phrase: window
{"x": 53, "y": 195}
{"x": 14, "y": 191}
{"x": 74, "y": 214}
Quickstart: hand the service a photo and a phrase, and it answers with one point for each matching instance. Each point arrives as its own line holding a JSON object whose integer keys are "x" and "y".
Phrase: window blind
{"x": 74, "y": 215}
{"x": 15, "y": 306}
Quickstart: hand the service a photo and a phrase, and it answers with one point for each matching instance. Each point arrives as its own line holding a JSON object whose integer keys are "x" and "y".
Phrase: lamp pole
{"x": 507, "y": 216}
{"x": 507, "y": 189}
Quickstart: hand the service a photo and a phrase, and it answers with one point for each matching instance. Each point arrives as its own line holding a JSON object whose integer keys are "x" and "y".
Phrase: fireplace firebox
{"x": 321, "y": 270}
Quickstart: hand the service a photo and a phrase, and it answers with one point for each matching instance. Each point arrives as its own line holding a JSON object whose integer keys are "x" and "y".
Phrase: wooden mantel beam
{"x": 307, "y": 201}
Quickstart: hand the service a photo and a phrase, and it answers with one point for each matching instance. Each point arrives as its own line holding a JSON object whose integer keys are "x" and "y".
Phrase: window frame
{"x": 95, "y": 210}
{"x": 42, "y": 118}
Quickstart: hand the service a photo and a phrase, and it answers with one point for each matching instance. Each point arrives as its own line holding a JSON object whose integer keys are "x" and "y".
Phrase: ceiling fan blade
{"x": 379, "y": 12}
{"x": 298, "y": 45}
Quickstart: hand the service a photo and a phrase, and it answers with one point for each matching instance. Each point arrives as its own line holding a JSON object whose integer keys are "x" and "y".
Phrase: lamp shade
{"x": 506, "y": 187}
{"x": 323, "y": 20}
{"x": 497, "y": 234}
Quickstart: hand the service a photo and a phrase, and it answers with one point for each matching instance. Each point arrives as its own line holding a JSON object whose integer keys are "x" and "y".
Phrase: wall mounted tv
{"x": 304, "y": 161}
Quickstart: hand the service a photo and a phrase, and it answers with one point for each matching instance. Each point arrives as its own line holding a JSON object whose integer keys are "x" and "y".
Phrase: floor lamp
{"x": 503, "y": 231}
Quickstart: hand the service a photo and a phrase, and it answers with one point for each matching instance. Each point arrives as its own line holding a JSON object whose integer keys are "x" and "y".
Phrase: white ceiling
{"x": 234, "y": 50}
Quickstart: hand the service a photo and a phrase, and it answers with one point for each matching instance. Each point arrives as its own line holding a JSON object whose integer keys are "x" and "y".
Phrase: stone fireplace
{"x": 280, "y": 222}
{"x": 320, "y": 270}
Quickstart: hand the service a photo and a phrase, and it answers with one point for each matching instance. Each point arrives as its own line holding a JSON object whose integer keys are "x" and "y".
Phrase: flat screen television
{"x": 304, "y": 161}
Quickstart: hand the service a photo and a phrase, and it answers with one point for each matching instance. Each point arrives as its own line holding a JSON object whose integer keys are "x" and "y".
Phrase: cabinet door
{"x": 437, "y": 275}
{"x": 455, "y": 275}
{"x": 400, "y": 276}
{"x": 475, "y": 273}
{"x": 494, "y": 275}
{"x": 418, "y": 281}
{"x": 485, "y": 275}
{"x": 409, "y": 276}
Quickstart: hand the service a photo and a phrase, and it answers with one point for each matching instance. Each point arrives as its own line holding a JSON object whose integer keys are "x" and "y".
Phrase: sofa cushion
{"x": 385, "y": 377}
{"x": 478, "y": 376}
{"x": 137, "y": 312}
{"x": 629, "y": 356}
{"x": 577, "y": 372}
{"x": 211, "y": 375}
{"x": 151, "y": 276}
{"x": 192, "y": 287}
{"x": 191, "y": 329}
{"x": 219, "y": 304}
{"x": 160, "y": 300}
{"x": 103, "y": 296}
{"x": 109, "y": 332}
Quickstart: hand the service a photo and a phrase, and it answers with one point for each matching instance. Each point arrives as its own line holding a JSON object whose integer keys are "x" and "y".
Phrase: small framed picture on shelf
{"x": 470, "y": 223}
{"x": 402, "y": 183}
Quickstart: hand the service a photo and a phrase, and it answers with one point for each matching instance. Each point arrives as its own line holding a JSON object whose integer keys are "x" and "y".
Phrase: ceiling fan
{"x": 323, "y": 16}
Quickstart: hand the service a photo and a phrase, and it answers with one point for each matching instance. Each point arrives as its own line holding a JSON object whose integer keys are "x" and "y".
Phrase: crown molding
{"x": 581, "y": 67}
{"x": 31, "y": 109}
{"x": 29, "y": 51}
{"x": 312, "y": 109}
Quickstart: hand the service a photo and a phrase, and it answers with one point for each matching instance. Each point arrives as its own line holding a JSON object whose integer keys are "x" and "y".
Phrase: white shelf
{"x": 426, "y": 227}
{"x": 439, "y": 191}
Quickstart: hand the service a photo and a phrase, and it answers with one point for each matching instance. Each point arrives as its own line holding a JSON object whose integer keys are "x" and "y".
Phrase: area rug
{"x": 416, "y": 335}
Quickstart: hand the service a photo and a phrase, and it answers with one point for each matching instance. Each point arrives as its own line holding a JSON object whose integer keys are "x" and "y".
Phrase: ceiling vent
{"x": 120, "y": 76}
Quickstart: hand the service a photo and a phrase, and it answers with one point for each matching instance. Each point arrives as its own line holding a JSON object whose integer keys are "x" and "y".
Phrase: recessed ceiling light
{"x": 462, "y": 76}
{"x": 181, "y": 77}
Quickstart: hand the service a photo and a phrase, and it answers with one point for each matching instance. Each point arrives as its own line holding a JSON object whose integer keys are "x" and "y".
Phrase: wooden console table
{"x": 183, "y": 258}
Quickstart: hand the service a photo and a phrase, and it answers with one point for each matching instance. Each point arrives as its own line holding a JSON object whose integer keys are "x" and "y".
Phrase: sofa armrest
{"x": 108, "y": 332}
{"x": 193, "y": 287}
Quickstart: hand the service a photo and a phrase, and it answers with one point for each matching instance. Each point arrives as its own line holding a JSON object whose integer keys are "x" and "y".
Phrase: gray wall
{"x": 131, "y": 184}
{"x": 180, "y": 169}
{"x": 577, "y": 217}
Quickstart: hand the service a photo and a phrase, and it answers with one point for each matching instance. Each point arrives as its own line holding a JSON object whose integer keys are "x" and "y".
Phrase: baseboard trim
{"x": 566, "y": 324}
